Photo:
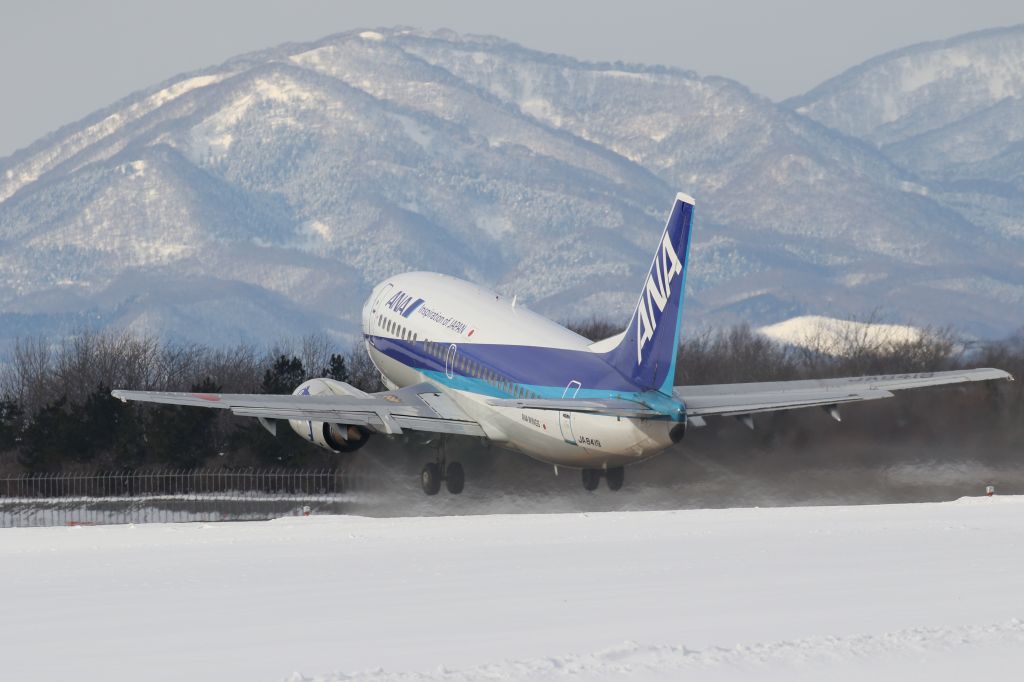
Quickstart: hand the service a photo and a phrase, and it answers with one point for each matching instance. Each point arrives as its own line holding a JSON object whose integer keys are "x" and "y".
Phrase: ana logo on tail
{"x": 656, "y": 294}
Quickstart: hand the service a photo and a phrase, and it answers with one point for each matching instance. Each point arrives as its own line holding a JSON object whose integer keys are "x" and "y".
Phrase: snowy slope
{"x": 904, "y": 93}
{"x": 265, "y": 196}
{"x": 923, "y": 591}
{"x": 834, "y": 336}
{"x": 949, "y": 111}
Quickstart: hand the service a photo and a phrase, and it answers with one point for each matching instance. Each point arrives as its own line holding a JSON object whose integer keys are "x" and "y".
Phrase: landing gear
{"x": 614, "y": 476}
{"x": 434, "y": 472}
{"x": 430, "y": 478}
{"x": 454, "y": 478}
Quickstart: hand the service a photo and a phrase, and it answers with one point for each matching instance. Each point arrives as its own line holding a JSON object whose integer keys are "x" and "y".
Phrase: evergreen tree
{"x": 10, "y": 423}
{"x": 93, "y": 426}
{"x": 182, "y": 436}
{"x": 45, "y": 439}
{"x": 336, "y": 368}
{"x": 283, "y": 376}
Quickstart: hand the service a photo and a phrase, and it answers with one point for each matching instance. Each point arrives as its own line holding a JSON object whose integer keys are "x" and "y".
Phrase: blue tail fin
{"x": 647, "y": 352}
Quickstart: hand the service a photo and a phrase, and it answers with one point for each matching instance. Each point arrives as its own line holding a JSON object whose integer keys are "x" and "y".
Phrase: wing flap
{"x": 609, "y": 406}
{"x": 750, "y": 403}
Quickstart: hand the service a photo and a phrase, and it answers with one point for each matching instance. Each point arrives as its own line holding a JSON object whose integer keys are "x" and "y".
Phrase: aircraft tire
{"x": 430, "y": 478}
{"x": 454, "y": 478}
{"x": 615, "y": 477}
{"x": 591, "y": 479}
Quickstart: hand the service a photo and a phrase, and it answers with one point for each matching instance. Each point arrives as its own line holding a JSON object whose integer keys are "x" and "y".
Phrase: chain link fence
{"x": 169, "y": 496}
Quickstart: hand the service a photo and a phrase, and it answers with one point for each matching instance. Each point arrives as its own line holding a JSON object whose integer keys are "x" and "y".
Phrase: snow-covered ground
{"x": 916, "y": 591}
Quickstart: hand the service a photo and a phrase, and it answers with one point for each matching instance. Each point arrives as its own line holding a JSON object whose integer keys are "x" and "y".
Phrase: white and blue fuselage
{"x": 477, "y": 346}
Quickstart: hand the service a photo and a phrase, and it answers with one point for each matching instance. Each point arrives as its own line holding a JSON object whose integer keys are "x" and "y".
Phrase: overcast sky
{"x": 59, "y": 61}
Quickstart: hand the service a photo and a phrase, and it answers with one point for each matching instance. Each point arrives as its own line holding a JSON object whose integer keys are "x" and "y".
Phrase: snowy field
{"x": 916, "y": 591}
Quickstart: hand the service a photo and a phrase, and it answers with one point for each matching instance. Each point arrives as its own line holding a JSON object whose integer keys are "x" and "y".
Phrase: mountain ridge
{"x": 311, "y": 170}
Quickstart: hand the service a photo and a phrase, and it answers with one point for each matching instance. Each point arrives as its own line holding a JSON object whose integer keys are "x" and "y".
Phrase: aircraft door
{"x": 565, "y": 418}
{"x": 449, "y": 361}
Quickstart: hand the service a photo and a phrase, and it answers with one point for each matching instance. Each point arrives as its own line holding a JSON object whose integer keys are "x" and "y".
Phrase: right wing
{"x": 421, "y": 407}
{"x": 745, "y": 399}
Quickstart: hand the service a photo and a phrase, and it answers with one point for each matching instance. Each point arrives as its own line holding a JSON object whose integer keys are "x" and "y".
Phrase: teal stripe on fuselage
{"x": 413, "y": 355}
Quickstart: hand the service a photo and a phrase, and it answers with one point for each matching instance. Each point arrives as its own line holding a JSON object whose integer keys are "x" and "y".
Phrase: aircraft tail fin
{"x": 646, "y": 354}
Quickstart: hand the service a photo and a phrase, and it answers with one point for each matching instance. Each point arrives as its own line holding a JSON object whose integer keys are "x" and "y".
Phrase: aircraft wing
{"x": 421, "y": 408}
{"x": 746, "y": 399}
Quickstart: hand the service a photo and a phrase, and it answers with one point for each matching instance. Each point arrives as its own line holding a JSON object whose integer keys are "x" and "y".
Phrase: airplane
{"x": 458, "y": 359}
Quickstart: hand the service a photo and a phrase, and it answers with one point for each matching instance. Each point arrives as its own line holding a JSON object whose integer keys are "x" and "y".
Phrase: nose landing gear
{"x": 614, "y": 476}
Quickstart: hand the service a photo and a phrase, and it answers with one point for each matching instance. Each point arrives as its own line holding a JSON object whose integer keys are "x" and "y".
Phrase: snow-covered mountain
{"x": 264, "y": 197}
{"x": 838, "y": 337}
{"x": 951, "y": 111}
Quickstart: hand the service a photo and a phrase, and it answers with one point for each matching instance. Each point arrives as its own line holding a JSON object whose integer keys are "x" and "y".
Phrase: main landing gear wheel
{"x": 433, "y": 473}
{"x": 454, "y": 478}
{"x": 430, "y": 478}
{"x": 591, "y": 478}
{"x": 614, "y": 477}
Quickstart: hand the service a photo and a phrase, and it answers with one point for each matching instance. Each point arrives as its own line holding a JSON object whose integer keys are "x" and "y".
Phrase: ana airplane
{"x": 461, "y": 360}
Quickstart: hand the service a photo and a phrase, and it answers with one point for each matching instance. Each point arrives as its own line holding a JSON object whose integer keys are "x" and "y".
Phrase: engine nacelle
{"x": 333, "y": 437}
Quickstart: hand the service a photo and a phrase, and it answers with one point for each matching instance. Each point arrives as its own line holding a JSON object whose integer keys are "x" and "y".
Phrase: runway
{"x": 925, "y": 591}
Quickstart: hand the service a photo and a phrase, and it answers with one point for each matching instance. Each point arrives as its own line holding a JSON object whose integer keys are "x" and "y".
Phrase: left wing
{"x": 421, "y": 408}
{"x": 745, "y": 399}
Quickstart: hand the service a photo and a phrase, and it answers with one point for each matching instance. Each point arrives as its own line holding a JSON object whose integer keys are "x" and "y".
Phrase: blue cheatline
{"x": 543, "y": 371}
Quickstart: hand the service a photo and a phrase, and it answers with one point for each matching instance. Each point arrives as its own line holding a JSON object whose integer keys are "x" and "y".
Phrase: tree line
{"x": 56, "y": 412}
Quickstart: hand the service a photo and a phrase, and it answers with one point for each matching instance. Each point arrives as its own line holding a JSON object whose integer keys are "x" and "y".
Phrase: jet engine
{"x": 333, "y": 437}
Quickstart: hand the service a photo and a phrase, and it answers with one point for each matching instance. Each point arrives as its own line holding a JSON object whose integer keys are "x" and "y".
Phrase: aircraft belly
{"x": 597, "y": 441}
